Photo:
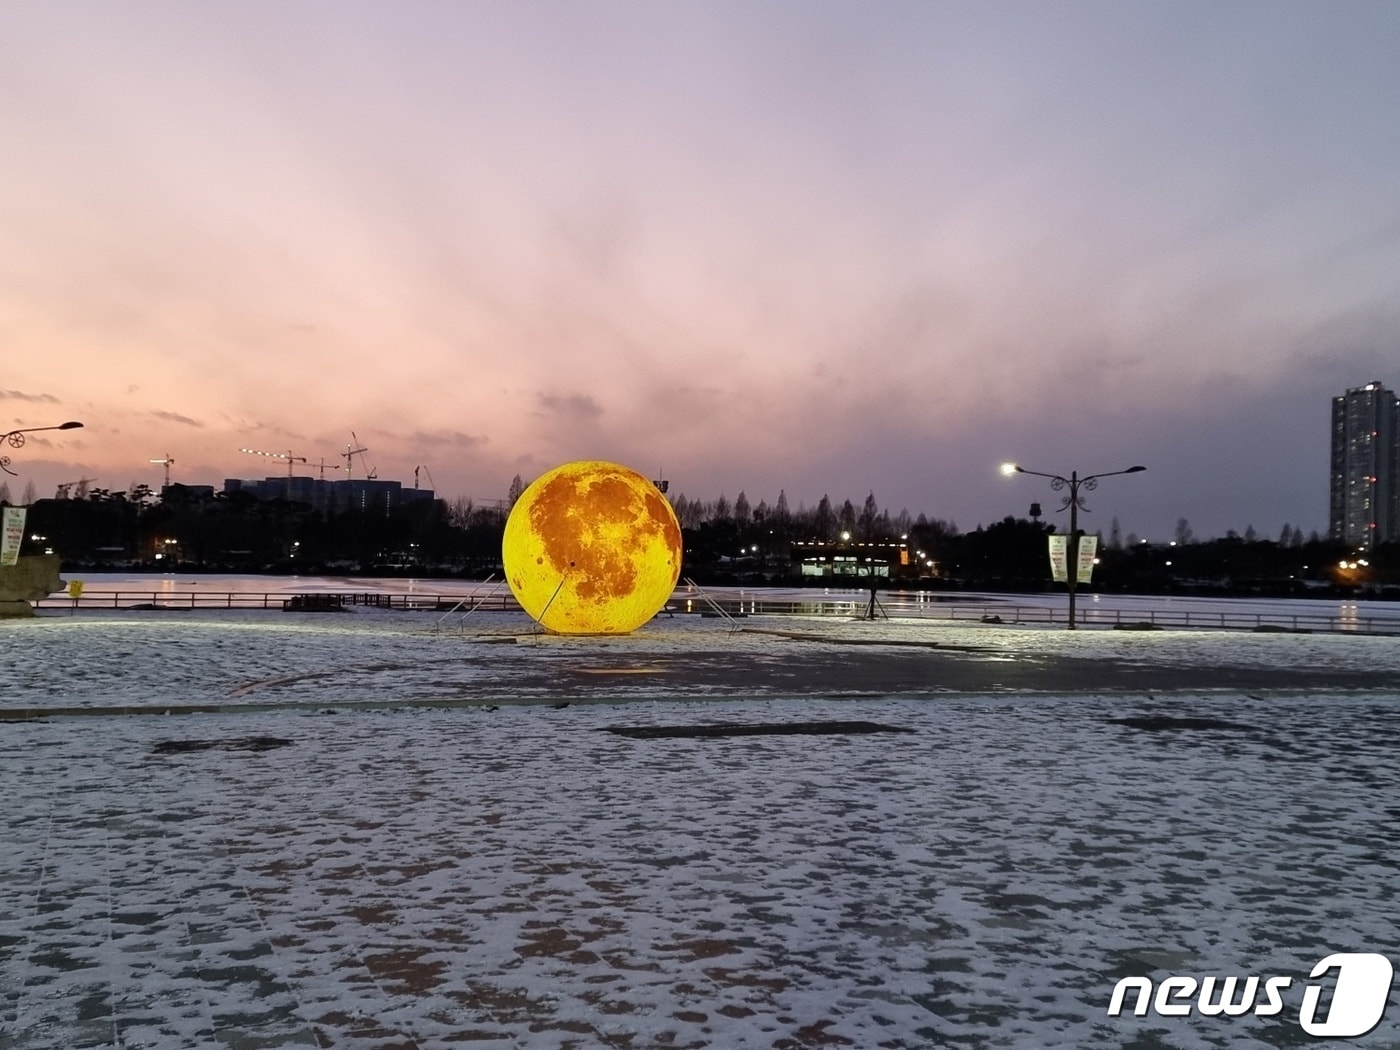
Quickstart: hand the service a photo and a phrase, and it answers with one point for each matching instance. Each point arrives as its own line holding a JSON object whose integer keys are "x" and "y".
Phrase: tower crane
{"x": 356, "y": 449}
{"x": 349, "y": 455}
{"x": 167, "y": 462}
{"x": 276, "y": 455}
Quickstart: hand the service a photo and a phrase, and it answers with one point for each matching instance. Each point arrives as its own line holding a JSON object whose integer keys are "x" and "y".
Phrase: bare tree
{"x": 824, "y": 522}
{"x": 459, "y": 512}
{"x": 869, "y": 514}
{"x": 742, "y": 511}
{"x": 846, "y": 519}
{"x": 781, "y": 511}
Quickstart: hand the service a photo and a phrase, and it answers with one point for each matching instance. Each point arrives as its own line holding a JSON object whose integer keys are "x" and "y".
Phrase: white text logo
{"x": 1359, "y": 995}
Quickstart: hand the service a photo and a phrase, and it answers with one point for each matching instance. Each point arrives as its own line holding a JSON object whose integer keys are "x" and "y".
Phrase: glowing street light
{"x": 15, "y": 439}
{"x": 1074, "y": 483}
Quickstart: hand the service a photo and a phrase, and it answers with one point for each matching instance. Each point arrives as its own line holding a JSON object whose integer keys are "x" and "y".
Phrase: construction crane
{"x": 370, "y": 472}
{"x": 356, "y": 449}
{"x": 167, "y": 462}
{"x": 349, "y": 455}
{"x": 425, "y": 470}
{"x": 291, "y": 459}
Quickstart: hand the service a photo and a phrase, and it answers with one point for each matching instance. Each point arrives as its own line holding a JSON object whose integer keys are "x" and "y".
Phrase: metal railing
{"x": 1011, "y": 615}
{"x": 1004, "y": 614}
{"x": 312, "y": 600}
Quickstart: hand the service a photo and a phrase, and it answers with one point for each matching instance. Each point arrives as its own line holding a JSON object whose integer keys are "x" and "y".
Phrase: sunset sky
{"x": 819, "y": 247}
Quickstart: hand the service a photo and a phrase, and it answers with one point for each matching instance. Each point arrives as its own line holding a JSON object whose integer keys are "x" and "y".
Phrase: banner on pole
{"x": 1088, "y": 548}
{"x": 13, "y": 535}
{"x": 1059, "y": 558}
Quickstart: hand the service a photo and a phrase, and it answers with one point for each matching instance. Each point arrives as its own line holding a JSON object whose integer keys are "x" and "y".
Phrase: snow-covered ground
{"x": 156, "y": 659}
{"x": 294, "y": 869}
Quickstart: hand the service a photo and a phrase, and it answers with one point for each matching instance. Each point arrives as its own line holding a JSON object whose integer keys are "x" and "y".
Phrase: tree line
{"x": 725, "y": 541}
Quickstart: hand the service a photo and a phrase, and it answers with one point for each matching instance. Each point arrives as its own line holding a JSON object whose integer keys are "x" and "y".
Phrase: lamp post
{"x": 1074, "y": 483}
{"x": 15, "y": 439}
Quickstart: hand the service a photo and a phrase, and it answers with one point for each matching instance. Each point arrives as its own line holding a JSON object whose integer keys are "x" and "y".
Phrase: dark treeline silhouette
{"x": 725, "y": 542}
{"x": 235, "y": 532}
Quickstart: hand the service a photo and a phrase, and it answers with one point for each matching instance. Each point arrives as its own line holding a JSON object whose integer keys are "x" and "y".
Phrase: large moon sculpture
{"x": 592, "y": 548}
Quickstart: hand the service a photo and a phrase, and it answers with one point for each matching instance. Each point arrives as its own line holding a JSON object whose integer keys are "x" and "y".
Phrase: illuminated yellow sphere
{"x": 592, "y": 548}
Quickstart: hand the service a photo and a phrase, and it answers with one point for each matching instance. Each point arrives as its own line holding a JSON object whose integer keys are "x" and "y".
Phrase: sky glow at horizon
{"x": 825, "y": 248}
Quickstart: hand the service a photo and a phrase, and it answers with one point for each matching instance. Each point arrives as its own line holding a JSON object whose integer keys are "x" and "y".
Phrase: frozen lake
{"x": 383, "y": 833}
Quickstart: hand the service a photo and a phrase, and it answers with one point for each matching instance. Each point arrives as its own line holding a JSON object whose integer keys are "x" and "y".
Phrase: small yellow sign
{"x": 75, "y": 589}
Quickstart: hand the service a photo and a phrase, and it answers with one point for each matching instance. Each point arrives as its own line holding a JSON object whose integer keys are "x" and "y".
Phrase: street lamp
{"x": 15, "y": 439}
{"x": 1074, "y": 482}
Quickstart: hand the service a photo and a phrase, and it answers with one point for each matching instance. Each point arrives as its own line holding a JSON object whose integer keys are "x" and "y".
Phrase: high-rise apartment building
{"x": 1365, "y": 501}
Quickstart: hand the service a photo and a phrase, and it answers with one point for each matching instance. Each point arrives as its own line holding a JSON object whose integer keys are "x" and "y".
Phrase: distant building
{"x": 892, "y": 560}
{"x": 364, "y": 495}
{"x": 1364, "y": 508}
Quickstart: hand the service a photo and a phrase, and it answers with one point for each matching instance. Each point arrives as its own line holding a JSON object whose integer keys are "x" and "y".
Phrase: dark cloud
{"x": 175, "y": 417}
{"x": 578, "y": 406}
{"x": 20, "y": 395}
{"x": 445, "y": 439}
